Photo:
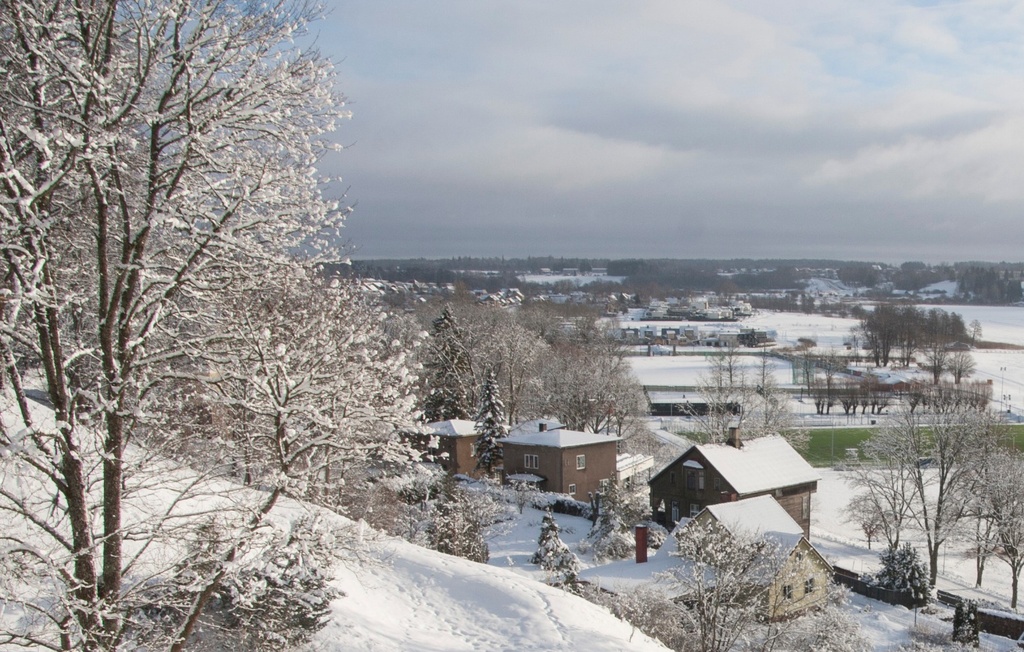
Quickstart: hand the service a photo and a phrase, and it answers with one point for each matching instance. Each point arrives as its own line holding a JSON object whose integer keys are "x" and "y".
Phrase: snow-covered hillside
{"x": 402, "y": 597}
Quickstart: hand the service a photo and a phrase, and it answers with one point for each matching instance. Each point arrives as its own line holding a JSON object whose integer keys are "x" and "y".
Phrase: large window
{"x": 531, "y": 461}
{"x": 581, "y": 462}
{"x": 695, "y": 480}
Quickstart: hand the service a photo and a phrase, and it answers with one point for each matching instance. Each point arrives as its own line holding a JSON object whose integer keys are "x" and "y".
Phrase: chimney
{"x": 734, "y": 437}
{"x": 641, "y": 544}
{"x": 543, "y": 426}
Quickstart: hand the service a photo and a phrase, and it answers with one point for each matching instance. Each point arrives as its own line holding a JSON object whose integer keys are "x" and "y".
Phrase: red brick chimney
{"x": 641, "y": 544}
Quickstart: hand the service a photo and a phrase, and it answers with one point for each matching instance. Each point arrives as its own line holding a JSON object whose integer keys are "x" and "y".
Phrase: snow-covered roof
{"x": 760, "y": 515}
{"x": 525, "y": 477}
{"x": 453, "y": 428}
{"x": 761, "y": 464}
{"x": 559, "y": 438}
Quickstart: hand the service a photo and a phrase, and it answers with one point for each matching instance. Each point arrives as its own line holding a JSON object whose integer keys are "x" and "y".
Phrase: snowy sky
{"x": 682, "y": 128}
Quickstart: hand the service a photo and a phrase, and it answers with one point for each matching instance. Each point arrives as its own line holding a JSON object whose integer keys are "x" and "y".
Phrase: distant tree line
{"x": 990, "y": 285}
{"x": 894, "y": 333}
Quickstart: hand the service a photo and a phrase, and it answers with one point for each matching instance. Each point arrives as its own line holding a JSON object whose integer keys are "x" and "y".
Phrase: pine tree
{"x": 904, "y": 570}
{"x": 965, "y": 623}
{"x": 553, "y": 555}
{"x": 458, "y": 525}
{"x": 490, "y": 424}
{"x": 449, "y": 369}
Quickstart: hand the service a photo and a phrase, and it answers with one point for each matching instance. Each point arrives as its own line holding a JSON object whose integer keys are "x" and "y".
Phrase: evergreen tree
{"x": 449, "y": 369}
{"x": 965, "y": 623}
{"x": 553, "y": 555}
{"x": 490, "y": 424}
{"x": 458, "y": 525}
{"x": 904, "y": 570}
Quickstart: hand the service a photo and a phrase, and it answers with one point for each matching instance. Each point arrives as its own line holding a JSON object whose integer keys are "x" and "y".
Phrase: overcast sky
{"x": 871, "y": 130}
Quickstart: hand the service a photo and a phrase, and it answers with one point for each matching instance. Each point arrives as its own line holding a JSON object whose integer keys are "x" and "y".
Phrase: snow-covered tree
{"x": 553, "y": 555}
{"x": 725, "y": 389}
{"x": 999, "y": 505}
{"x": 955, "y": 441}
{"x": 724, "y": 581}
{"x": 619, "y": 509}
{"x": 309, "y": 393}
{"x": 155, "y": 157}
{"x": 459, "y": 521}
{"x": 904, "y": 570}
{"x": 449, "y": 371}
{"x": 490, "y": 427}
{"x": 965, "y": 623}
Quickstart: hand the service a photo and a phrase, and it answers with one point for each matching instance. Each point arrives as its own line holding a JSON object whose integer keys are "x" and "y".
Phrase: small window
{"x": 603, "y": 484}
{"x": 695, "y": 509}
{"x": 672, "y": 477}
{"x": 581, "y": 462}
{"x": 805, "y": 507}
{"x": 572, "y": 490}
{"x": 531, "y": 461}
{"x": 809, "y": 586}
{"x": 700, "y": 481}
{"x": 718, "y": 483}
{"x": 675, "y": 512}
{"x": 787, "y": 592}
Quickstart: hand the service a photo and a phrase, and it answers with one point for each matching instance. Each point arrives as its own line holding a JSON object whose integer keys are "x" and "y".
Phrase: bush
{"x": 904, "y": 570}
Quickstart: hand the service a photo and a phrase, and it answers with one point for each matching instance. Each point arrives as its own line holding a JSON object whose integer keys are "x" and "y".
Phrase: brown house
{"x": 450, "y": 444}
{"x": 559, "y": 460}
{"x": 709, "y": 474}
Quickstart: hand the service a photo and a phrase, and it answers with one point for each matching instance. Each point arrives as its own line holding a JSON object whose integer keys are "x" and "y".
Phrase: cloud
{"x": 704, "y": 127}
{"x": 982, "y": 164}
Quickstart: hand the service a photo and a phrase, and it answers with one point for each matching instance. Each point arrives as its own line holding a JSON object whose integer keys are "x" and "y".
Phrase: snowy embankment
{"x": 403, "y": 597}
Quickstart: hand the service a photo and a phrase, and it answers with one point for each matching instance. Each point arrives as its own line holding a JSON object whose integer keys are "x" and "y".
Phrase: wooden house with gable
{"x": 799, "y": 574}
{"x": 709, "y": 474}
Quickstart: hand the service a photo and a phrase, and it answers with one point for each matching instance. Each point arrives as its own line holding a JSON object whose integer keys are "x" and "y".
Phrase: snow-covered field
{"x": 1004, "y": 367}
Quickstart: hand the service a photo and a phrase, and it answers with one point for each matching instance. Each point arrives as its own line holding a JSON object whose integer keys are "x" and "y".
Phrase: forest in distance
{"x": 976, "y": 282}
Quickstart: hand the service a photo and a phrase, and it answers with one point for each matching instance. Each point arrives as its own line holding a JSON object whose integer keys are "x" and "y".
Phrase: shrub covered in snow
{"x": 904, "y": 570}
{"x": 553, "y": 555}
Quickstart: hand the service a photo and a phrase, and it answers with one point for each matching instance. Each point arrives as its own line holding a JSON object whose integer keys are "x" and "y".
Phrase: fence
{"x": 857, "y": 585}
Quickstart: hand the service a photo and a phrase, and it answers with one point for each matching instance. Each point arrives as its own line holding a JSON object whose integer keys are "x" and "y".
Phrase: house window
{"x": 531, "y": 461}
{"x": 581, "y": 462}
{"x": 787, "y": 592}
{"x": 572, "y": 490}
{"x": 672, "y": 477}
{"x": 603, "y": 484}
{"x": 675, "y": 512}
{"x": 695, "y": 480}
{"x": 718, "y": 483}
{"x": 695, "y": 509}
{"x": 809, "y": 586}
{"x": 805, "y": 507}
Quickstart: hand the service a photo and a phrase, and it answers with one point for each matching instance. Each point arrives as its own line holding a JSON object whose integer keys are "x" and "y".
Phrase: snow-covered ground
{"x": 513, "y": 542}
{"x": 1003, "y": 367}
{"x": 402, "y": 597}
{"x": 585, "y": 279}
